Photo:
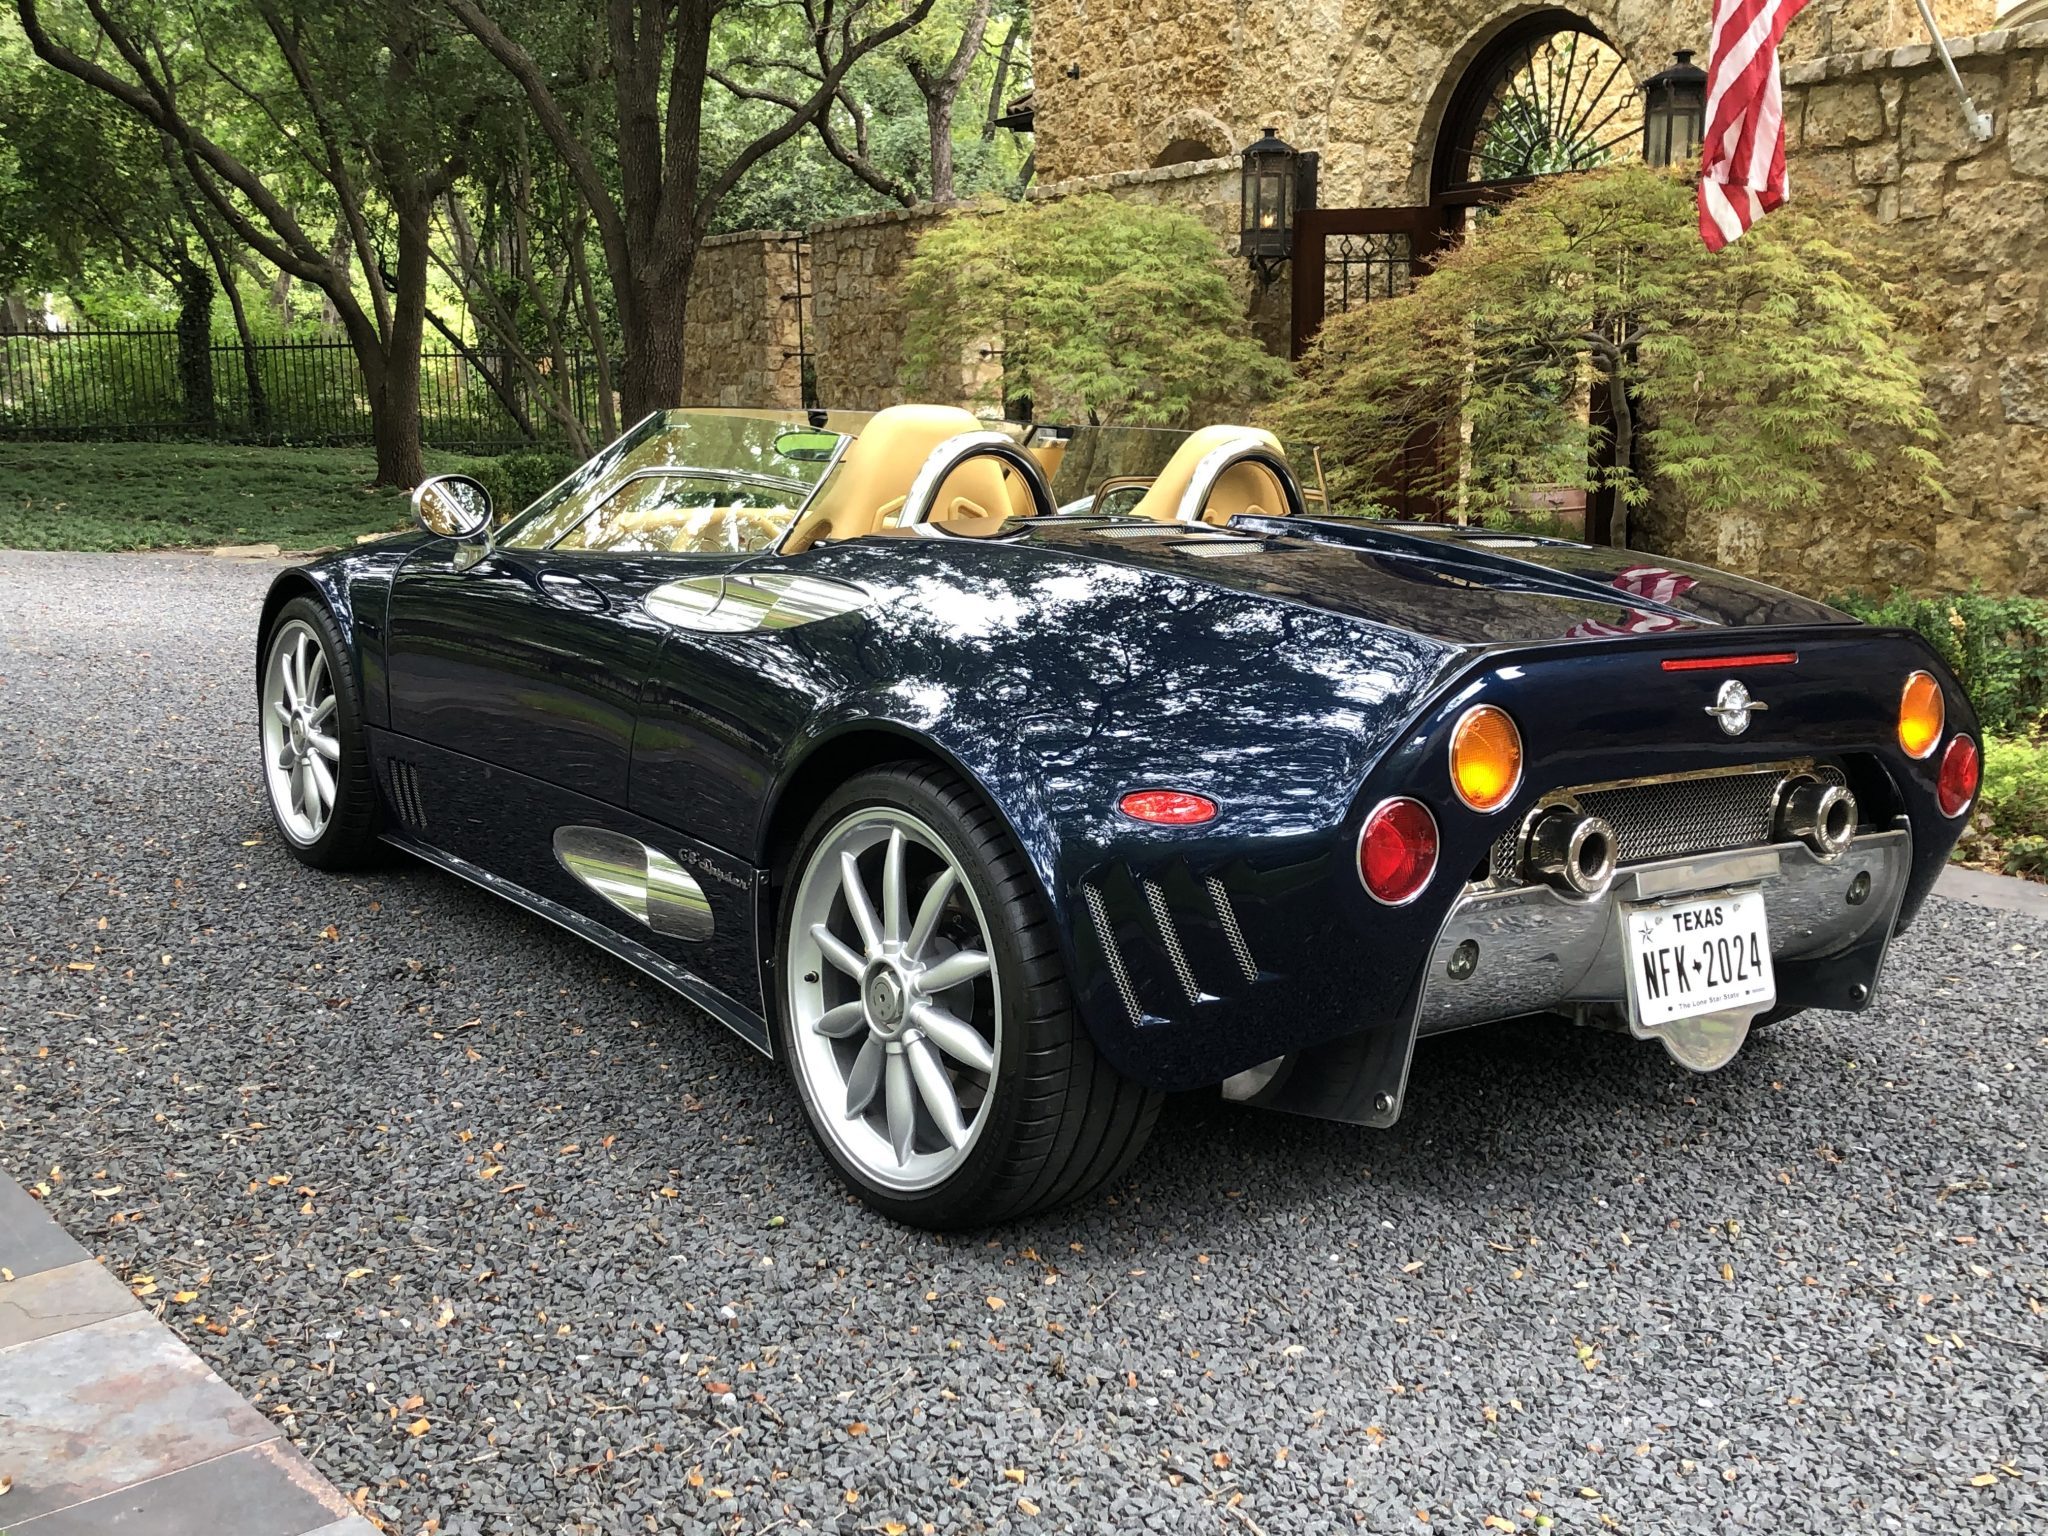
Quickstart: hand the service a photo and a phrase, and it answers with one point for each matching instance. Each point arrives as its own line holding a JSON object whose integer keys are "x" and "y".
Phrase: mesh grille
{"x": 1115, "y": 956}
{"x": 1169, "y": 935}
{"x": 1227, "y": 915}
{"x": 1675, "y": 818}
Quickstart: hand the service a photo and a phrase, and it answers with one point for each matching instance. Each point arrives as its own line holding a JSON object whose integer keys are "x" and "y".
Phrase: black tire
{"x": 349, "y": 838}
{"x": 1063, "y": 1122}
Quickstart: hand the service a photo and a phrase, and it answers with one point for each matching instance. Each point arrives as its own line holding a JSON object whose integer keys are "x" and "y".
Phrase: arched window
{"x": 1549, "y": 94}
{"x": 1184, "y": 152}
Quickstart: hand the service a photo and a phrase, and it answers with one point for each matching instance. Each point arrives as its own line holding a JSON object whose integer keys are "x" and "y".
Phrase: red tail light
{"x": 1167, "y": 807}
{"x": 1397, "y": 851}
{"x": 1956, "y": 785}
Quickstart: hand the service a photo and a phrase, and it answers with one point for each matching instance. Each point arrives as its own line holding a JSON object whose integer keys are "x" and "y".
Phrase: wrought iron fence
{"x": 133, "y": 384}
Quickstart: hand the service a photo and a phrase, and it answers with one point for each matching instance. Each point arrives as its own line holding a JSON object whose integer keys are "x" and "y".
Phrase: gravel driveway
{"x": 516, "y": 1243}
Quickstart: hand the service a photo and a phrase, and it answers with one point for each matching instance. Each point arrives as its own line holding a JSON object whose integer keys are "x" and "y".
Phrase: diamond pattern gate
{"x": 1348, "y": 257}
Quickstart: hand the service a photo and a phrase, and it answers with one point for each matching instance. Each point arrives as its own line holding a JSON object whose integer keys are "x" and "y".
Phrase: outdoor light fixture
{"x": 1266, "y": 218}
{"x": 1674, "y": 112}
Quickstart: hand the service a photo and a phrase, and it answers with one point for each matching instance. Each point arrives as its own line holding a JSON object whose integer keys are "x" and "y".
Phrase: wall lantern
{"x": 1674, "y": 112}
{"x": 1266, "y": 217}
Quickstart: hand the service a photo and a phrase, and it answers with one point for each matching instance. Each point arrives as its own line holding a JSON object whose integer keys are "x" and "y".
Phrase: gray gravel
{"x": 426, "y": 1165}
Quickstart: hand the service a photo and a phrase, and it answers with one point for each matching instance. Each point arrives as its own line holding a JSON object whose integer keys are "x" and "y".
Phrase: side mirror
{"x": 452, "y": 506}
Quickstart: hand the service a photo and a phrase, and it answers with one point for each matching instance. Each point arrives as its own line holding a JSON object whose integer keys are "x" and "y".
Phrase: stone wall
{"x": 858, "y": 319}
{"x": 1885, "y": 126}
{"x": 1362, "y": 81}
{"x": 740, "y": 339}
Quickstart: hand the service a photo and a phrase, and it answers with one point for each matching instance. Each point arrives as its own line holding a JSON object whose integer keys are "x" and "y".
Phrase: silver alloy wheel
{"x": 894, "y": 1003}
{"x": 301, "y": 753}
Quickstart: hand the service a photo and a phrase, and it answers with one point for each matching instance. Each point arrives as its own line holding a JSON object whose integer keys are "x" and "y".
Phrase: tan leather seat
{"x": 1244, "y": 489}
{"x": 874, "y": 477}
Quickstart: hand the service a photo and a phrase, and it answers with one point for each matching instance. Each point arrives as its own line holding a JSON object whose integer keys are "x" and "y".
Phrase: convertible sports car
{"x": 1000, "y": 779}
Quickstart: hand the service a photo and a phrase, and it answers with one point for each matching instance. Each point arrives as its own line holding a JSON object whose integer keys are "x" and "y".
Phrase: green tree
{"x": 1102, "y": 310}
{"x": 281, "y": 109}
{"x": 1756, "y": 377}
{"x": 621, "y": 95}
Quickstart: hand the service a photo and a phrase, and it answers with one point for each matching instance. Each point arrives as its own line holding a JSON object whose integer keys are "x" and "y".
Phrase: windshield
{"x": 689, "y": 482}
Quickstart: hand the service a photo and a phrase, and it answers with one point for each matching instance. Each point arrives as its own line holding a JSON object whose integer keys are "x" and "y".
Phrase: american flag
{"x": 1742, "y": 163}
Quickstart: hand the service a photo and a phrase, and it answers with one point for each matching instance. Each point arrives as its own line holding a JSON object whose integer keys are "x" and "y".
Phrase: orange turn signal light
{"x": 1486, "y": 758}
{"x": 1920, "y": 715}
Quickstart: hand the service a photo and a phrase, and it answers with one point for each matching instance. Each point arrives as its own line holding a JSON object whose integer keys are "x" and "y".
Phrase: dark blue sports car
{"x": 1000, "y": 780}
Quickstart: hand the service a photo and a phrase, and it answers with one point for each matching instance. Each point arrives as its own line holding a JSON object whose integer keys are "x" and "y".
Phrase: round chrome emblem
{"x": 885, "y": 1000}
{"x": 1733, "y": 706}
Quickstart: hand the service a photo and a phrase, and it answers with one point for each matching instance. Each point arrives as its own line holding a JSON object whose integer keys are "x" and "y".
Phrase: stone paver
{"x": 108, "y": 1423}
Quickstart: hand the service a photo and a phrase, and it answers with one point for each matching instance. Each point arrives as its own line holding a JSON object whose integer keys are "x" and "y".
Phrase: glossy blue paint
{"x": 1294, "y": 671}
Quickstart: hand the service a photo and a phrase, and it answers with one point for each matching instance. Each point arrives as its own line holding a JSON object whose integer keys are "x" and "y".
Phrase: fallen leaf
{"x": 717, "y": 1387}
{"x": 996, "y": 1303}
{"x": 1496, "y": 1523}
{"x": 1027, "y": 1506}
{"x": 856, "y": 1428}
{"x": 1013, "y": 1474}
{"x": 1589, "y": 1493}
{"x": 894, "y": 1528}
{"x": 184, "y": 1296}
{"x": 1728, "y": 1273}
{"x": 417, "y": 1428}
{"x": 142, "y": 1285}
{"x": 1984, "y": 1480}
{"x": 1220, "y": 1460}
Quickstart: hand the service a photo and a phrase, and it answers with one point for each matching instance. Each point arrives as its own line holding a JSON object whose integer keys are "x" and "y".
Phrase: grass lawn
{"x": 172, "y": 495}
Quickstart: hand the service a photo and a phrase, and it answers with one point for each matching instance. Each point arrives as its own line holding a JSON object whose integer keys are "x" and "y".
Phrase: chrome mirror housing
{"x": 452, "y": 506}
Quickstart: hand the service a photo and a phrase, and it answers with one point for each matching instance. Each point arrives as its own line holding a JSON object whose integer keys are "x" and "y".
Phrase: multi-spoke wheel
{"x": 925, "y": 1016}
{"x": 315, "y": 764}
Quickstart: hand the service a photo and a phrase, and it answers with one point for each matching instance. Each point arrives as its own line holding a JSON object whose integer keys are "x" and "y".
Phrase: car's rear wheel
{"x": 926, "y": 1018}
{"x": 316, "y": 762}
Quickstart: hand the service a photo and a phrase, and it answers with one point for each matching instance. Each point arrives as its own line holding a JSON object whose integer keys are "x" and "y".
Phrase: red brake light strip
{"x": 1721, "y": 663}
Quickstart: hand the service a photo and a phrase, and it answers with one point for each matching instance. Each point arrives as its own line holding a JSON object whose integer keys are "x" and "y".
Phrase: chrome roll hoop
{"x": 955, "y": 451}
{"x": 1194, "y": 501}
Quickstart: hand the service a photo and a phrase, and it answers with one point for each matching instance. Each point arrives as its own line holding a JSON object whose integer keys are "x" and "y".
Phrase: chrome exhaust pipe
{"x": 1818, "y": 814}
{"x": 1571, "y": 850}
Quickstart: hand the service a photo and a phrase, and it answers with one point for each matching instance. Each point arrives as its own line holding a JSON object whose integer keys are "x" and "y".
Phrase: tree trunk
{"x": 252, "y": 374}
{"x": 651, "y": 373}
{"x": 195, "y": 342}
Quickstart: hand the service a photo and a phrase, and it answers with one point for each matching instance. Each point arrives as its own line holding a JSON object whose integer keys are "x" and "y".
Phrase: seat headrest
{"x": 876, "y": 473}
{"x": 1243, "y": 488}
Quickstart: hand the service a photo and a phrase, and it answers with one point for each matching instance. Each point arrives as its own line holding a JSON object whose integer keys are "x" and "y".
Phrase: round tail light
{"x": 1956, "y": 785}
{"x": 1397, "y": 851}
{"x": 1486, "y": 758}
{"x": 1920, "y": 715}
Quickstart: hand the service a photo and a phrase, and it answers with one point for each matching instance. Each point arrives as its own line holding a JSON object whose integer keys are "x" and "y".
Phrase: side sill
{"x": 742, "y": 1021}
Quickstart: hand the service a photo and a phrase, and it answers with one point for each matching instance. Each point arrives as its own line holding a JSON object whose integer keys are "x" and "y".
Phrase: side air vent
{"x": 402, "y": 780}
{"x": 1226, "y": 914}
{"x": 1169, "y": 935}
{"x": 1120, "y": 973}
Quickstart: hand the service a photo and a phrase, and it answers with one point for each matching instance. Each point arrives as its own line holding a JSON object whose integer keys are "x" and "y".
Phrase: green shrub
{"x": 516, "y": 480}
{"x": 2009, "y": 827}
{"x": 1996, "y": 646}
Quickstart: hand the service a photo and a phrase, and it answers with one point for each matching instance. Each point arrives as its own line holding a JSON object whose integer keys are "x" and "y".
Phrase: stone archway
{"x": 1545, "y": 93}
{"x": 1191, "y": 136}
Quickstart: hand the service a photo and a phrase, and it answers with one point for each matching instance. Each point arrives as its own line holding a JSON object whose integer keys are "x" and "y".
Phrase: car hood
{"x": 1466, "y": 587}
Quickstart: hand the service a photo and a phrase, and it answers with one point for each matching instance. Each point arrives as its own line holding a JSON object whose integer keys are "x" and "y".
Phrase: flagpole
{"x": 1980, "y": 122}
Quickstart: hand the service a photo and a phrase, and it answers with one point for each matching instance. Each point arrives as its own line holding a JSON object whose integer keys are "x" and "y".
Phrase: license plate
{"x": 1698, "y": 956}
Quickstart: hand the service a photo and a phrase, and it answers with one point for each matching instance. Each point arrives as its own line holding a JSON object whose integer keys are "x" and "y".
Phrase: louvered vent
{"x": 402, "y": 779}
{"x": 1099, "y": 914}
{"x": 1226, "y": 914}
{"x": 1169, "y": 935}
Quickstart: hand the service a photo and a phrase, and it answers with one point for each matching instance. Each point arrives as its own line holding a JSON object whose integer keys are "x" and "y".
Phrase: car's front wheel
{"x": 926, "y": 1017}
{"x": 316, "y": 761}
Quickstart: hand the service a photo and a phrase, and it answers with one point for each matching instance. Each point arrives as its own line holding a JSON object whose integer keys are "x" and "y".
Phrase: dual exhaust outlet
{"x": 1576, "y": 851}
